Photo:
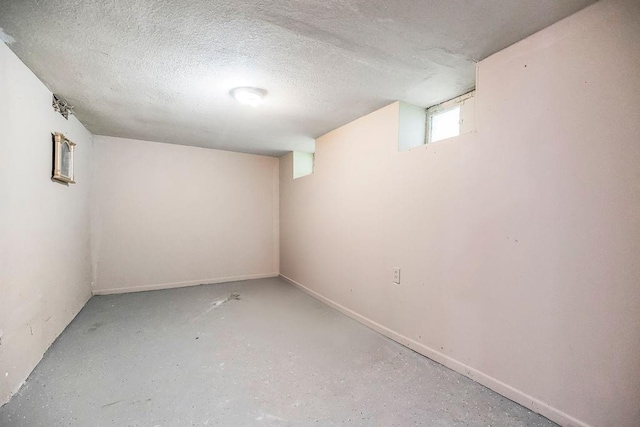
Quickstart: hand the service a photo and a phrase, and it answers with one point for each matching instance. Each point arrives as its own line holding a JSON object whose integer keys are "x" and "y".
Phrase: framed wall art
{"x": 63, "y": 159}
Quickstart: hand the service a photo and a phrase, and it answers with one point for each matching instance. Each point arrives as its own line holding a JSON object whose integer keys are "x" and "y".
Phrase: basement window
{"x": 444, "y": 124}
{"x": 451, "y": 118}
{"x": 302, "y": 164}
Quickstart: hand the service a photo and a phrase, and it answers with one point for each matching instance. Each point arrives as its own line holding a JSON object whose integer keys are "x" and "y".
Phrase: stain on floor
{"x": 94, "y": 327}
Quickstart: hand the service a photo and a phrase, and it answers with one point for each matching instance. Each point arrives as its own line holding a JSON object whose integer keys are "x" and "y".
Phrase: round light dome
{"x": 248, "y": 95}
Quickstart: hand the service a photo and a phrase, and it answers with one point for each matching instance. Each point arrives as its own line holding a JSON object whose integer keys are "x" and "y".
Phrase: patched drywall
{"x": 167, "y": 216}
{"x": 518, "y": 243}
{"x": 162, "y": 70}
{"x": 45, "y": 267}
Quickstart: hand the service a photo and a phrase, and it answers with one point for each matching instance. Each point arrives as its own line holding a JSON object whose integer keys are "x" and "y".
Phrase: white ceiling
{"x": 161, "y": 70}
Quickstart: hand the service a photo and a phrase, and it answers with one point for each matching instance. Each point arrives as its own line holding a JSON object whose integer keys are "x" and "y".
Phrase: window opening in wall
{"x": 451, "y": 118}
{"x": 445, "y": 124}
{"x": 302, "y": 164}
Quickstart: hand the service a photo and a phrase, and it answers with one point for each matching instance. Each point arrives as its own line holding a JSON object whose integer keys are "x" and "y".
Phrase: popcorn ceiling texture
{"x": 162, "y": 70}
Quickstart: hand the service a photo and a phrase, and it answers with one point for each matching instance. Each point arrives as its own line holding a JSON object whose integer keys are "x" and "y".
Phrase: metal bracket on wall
{"x": 62, "y": 106}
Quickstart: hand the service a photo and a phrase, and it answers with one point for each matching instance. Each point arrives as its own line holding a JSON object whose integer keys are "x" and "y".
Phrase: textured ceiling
{"x": 161, "y": 70}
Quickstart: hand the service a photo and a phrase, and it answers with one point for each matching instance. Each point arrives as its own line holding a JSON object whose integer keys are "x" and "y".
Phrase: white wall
{"x": 518, "y": 244}
{"x": 170, "y": 215}
{"x": 45, "y": 265}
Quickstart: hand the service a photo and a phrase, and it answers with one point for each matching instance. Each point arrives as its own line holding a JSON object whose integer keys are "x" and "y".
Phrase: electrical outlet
{"x": 396, "y": 275}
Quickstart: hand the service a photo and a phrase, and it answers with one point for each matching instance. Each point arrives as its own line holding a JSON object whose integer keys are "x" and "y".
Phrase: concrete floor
{"x": 257, "y": 352}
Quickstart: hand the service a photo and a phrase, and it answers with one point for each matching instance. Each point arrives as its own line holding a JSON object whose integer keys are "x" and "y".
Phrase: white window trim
{"x": 443, "y": 107}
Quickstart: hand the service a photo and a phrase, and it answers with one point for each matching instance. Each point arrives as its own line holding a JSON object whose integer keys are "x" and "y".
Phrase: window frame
{"x": 443, "y": 107}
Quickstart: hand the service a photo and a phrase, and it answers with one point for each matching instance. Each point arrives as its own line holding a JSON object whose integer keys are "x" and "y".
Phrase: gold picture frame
{"x": 63, "y": 159}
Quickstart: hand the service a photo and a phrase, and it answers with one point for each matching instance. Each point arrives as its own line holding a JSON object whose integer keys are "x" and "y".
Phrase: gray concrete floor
{"x": 275, "y": 356}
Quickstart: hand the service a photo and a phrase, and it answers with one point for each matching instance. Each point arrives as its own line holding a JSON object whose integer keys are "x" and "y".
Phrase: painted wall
{"x": 169, "y": 215}
{"x": 518, "y": 243}
{"x": 45, "y": 265}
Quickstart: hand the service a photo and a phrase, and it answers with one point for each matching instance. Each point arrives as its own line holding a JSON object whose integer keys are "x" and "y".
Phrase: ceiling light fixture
{"x": 248, "y": 95}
